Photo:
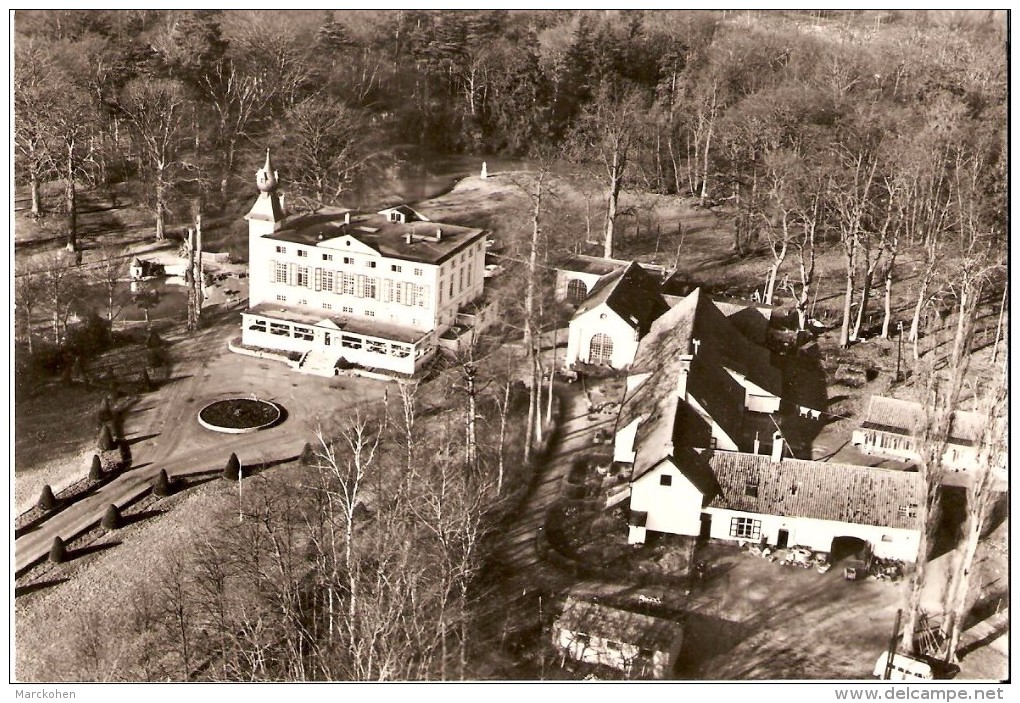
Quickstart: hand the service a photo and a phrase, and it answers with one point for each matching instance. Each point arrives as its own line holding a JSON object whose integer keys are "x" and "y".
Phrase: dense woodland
{"x": 876, "y": 134}
{"x": 875, "y": 137}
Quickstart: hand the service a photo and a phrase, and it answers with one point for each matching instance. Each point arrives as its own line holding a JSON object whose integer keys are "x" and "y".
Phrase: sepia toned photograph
{"x": 455, "y": 345}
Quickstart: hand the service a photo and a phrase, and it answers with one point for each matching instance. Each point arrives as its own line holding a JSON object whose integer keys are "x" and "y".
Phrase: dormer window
{"x": 909, "y": 510}
{"x": 751, "y": 488}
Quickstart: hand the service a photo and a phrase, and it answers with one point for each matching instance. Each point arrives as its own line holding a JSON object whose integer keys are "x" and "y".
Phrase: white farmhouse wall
{"x": 885, "y": 542}
{"x": 675, "y": 508}
{"x": 957, "y": 457}
{"x": 623, "y": 444}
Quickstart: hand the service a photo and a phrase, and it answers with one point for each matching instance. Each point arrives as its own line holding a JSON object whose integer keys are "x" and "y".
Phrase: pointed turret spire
{"x": 266, "y": 178}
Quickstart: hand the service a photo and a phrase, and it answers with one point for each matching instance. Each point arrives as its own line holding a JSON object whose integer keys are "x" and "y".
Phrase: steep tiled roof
{"x": 631, "y": 293}
{"x": 861, "y": 495}
{"x": 603, "y": 621}
{"x": 905, "y": 417}
{"x": 662, "y": 353}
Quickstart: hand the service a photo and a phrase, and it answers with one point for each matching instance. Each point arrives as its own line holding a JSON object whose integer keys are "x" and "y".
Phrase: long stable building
{"x": 374, "y": 290}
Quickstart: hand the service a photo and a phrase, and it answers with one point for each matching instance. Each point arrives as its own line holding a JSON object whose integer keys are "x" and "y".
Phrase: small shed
{"x": 642, "y": 646}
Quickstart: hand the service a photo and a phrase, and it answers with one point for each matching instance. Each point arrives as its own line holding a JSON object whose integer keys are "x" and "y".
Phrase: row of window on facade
{"x": 346, "y": 309}
{"x": 350, "y": 261}
{"x": 749, "y": 528}
{"x": 372, "y": 263}
{"x": 340, "y": 283}
{"x": 891, "y": 441}
{"x": 283, "y": 329}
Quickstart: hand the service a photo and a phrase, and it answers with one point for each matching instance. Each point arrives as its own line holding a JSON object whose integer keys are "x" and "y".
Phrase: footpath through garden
{"x": 164, "y": 433}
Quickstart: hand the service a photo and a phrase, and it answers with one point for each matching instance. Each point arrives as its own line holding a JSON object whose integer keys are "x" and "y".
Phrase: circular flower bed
{"x": 239, "y": 415}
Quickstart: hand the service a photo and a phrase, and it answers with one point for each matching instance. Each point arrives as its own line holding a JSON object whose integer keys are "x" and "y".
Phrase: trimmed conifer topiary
{"x": 125, "y": 454}
{"x": 58, "y": 553}
{"x": 96, "y": 470}
{"x": 47, "y": 501}
{"x": 232, "y": 472}
{"x": 147, "y": 384}
{"x": 161, "y": 487}
{"x": 105, "y": 442}
{"x": 105, "y": 413}
{"x": 111, "y": 519}
{"x": 307, "y": 455}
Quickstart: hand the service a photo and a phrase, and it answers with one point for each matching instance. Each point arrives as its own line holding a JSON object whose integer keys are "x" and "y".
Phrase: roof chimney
{"x": 756, "y": 447}
{"x": 439, "y": 233}
{"x": 408, "y": 238}
{"x": 777, "y": 447}
{"x": 696, "y": 343}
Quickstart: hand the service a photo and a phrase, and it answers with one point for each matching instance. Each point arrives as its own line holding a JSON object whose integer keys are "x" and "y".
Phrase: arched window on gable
{"x": 577, "y": 291}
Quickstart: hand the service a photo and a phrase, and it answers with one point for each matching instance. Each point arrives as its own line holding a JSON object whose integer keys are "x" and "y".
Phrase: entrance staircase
{"x": 318, "y": 363}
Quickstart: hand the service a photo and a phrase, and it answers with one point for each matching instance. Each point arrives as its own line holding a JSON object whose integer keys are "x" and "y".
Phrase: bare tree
{"x": 873, "y": 243}
{"x": 982, "y": 491}
{"x": 36, "y": 95}
{"x": 28, "y": 297}
{"x": 60, "y": 288}
{"x": 158, "y": 113}
{"x": 606, "y": 133}
{"x": 852, "y": 199}
{"x": 107, "y": 272}
{"x": 325, "y": 142}
{"x": 239, "y": 102}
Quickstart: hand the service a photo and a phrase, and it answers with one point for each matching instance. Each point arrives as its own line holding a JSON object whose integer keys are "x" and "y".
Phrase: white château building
{"x": 373, "y": 290}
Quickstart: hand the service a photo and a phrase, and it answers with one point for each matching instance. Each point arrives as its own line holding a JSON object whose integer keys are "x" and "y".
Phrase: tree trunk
{"x": 770, "y": 281}
{"x": 72, "y": 205}
{"x": 863, "y": 307}
{"x": 33, "y": 184}
{"x": 615, "y": 181}
{"x": 956, "y": 607}
{"x": 199, "y": 281}
{"x": 848, "y": 302}
{"x": 160, "y": 205}
{"x": 998, "y": 325}
{"x": 228, "y": 169}
{"x": 189, "y": 279}
{"x": 915, "y": 322}
{"x": 529, "y": 433}
{"x": 907, "y": 644}
{"x": 887, "y": 318}
{"x": 704, "y": 169}
{"x": 504, "y": 412}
